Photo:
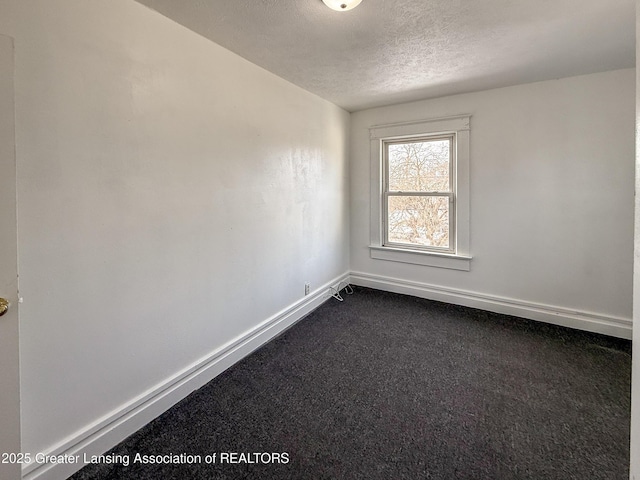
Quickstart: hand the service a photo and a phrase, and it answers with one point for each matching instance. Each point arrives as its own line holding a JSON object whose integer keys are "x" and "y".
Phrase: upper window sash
{"x": 420, "y": 139}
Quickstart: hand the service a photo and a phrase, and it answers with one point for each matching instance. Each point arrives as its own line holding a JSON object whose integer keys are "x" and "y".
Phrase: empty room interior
{"x": 318, "y": 239}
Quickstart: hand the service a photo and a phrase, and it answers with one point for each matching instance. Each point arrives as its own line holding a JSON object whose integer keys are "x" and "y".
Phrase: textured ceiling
{"x": 392, "y": 51}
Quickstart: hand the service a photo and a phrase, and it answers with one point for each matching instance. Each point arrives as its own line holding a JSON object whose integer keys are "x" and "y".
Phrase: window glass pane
{"x": 421, "y": 166}
{"x": 419, "y": 220}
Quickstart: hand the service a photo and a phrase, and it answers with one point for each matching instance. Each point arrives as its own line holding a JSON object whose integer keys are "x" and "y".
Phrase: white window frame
{"x": 449, "y": 193}
{"x": 458, "y": 257}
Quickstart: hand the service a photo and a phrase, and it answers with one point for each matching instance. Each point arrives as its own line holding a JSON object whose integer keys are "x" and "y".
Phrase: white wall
{"x": 635, "y": 370}
{"x": 171, "y": 197}
{"x": 551, "y": 201}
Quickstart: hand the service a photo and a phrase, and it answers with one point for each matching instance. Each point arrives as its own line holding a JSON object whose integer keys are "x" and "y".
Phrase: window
{"x": 419, "y": 199}
{"x": 420, "y": 192}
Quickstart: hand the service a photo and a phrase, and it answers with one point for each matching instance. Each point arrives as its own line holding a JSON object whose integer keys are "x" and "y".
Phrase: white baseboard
{"x": 591, "y": 322}
{"x": 107, "y": 432}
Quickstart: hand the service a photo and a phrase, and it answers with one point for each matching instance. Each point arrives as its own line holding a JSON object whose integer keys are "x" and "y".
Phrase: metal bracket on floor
{"x": 335, "y": 291}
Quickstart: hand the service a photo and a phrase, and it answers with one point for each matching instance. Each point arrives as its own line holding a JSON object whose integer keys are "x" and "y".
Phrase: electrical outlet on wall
{"x": 307, "y": 288}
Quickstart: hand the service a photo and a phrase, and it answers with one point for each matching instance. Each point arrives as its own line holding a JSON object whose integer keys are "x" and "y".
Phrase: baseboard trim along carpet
{"x": 108, "y": 431}
{"x": 105, "y": 433}
{"x": 591, "y": 322}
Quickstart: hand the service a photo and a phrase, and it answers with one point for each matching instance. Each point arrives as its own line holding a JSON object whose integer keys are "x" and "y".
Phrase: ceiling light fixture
{"x": 341, "y": 5}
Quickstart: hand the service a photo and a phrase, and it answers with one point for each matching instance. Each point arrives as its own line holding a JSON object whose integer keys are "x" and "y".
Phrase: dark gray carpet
{"x": 386, "y": 386}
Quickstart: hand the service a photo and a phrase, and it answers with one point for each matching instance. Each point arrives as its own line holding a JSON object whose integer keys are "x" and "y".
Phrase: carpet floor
{"x": 387, "y": 386}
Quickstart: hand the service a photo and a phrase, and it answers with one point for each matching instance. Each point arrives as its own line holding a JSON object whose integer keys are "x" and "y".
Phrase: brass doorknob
{"x": 4, "y": 306}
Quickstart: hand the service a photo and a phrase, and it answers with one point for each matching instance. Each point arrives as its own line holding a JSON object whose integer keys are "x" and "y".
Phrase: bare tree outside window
{"x": 419, "y": 192}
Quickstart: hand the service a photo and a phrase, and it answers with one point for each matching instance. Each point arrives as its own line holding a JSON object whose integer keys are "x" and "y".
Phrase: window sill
{"x": 430, "y": 259}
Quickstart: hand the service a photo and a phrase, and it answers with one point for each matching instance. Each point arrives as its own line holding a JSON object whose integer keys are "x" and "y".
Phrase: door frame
{"x": 10, "y": 442}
